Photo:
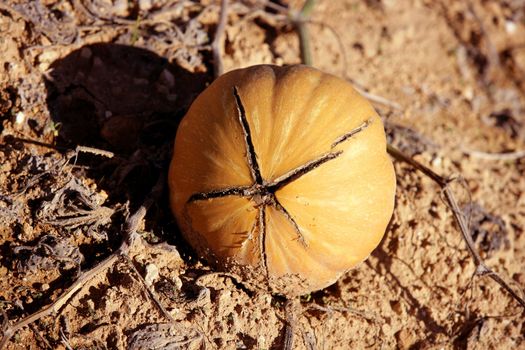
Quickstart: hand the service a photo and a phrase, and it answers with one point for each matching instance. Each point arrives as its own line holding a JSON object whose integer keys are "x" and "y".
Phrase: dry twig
{"x": 507, "y": 156}
{"x": 443, "y": 183}
{"x": 291, "y": 319}
{"x": 300, "y": 20}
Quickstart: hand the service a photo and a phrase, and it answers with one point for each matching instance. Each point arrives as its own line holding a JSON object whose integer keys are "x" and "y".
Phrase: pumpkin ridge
{"x": 282, "y": 140}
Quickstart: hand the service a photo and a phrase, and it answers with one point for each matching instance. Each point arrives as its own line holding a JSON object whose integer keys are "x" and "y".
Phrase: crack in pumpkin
{"x": 262, "y": 239}
{"x": 230, "y": 191}
{"x": 261, "y": 192}
{"x": 250, "y": 149}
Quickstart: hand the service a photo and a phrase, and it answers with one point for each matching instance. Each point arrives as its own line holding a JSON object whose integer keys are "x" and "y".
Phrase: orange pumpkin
{"x": 281, "y": 175}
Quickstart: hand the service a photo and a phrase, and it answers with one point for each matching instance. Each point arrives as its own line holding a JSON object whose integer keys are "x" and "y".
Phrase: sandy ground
{"x": 118, "y": 76}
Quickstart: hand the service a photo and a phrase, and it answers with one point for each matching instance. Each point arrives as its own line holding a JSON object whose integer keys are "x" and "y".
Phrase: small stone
{"x": 396, "y": 307}
{"x": 510, "y": 27}
{"x": 386, "y": 329}
{"x": 436, "y": 162}
{"x": 145, "y": 5}
{"x": 48, "y": 56}
{"x": 177, "y": 282}
{"x": 152, "y": 274}
{"x": 468, "y": 93}
{"x": 405, "y": 338}
{"x": 519, "y": 278}
{"x": 261, "y": 342}
{"x": 20, "y": 118}
{"x": 121, "y": 8}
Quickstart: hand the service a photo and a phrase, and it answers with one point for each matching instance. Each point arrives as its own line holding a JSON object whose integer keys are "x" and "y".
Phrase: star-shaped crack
{"x": 261, "y": 192}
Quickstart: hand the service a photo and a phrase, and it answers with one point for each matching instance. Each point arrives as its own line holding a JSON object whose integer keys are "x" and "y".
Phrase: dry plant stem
{"x": 40, "y": 337}
{"x": 129, "y": 235}
{"x": 300, "y": 21}
{"x": 78, "y": 149}
{"x": 376, "y": 98}
{"x": 290, "y": 323}
{"x": 507, "y": 156}
{"x": 262, "y": 192}
{"x": 481, "y": 268}
{"x": 149, "y": 291}
{"x": 217, "y": 46}
{"x": 96, "y": 151}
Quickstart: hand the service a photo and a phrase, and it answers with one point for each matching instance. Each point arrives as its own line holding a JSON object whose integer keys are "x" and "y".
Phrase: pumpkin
{"x": 281, "y": 175}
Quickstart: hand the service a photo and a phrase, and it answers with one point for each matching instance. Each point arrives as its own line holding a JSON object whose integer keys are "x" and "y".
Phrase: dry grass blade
{"x": 508, "y": 156}
{"x": 75, "y": 205}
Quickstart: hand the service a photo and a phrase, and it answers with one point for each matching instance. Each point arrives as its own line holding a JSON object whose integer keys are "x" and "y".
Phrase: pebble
{"x": 20, "y": 118}
{"x": 145, "y": 5}
{"x": 177, "y": 282}
{"x": 510, "y": 27}
{"x": 152, "y": 274}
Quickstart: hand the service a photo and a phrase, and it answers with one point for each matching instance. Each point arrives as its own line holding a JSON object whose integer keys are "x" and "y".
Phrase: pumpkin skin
{"x": 323, "y": 191}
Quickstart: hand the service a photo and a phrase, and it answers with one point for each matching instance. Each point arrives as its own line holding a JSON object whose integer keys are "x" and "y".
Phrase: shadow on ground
{"x": 128, "y": 101}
